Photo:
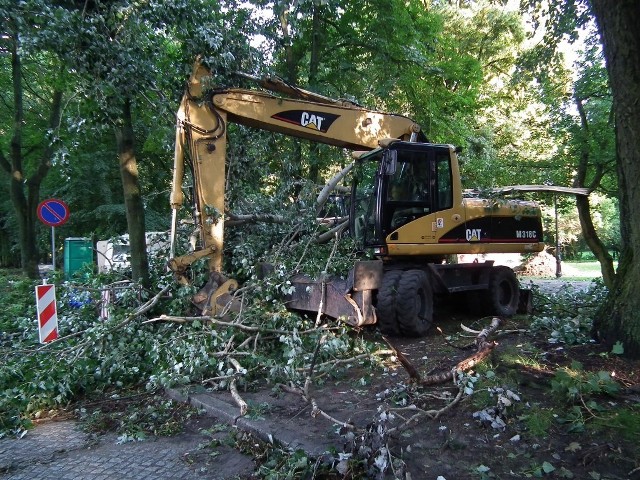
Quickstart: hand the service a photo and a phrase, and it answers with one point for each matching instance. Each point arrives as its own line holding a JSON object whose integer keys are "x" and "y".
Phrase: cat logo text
{"x": 319, "y": 121}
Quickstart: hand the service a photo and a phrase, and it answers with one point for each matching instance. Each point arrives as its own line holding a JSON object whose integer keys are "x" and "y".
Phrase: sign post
{"x": 54, "y": 213}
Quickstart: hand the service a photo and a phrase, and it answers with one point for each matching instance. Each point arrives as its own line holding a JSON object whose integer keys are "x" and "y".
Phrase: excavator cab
{"x": 395, "y": 185}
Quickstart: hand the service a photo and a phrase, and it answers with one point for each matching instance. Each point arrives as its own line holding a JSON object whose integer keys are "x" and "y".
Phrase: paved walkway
{"x": 58, "y": 450}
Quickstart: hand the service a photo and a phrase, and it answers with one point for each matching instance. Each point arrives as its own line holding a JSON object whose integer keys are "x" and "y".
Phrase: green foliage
{"x": 567, "y": 315}
{"x": 624, "y": 422}
{"x": 98, "y": 57}
{"x": 618, "y": 348}
{"x": 134, "y": 415}
{"x": 538, "y": 421}
{"x": 572, "y": 384}
{"x": 278, "y": 463}
{"x": 123, "y": 351}
{"x": 13, "y": 290}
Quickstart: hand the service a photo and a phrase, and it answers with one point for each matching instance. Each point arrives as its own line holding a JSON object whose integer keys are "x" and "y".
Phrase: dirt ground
{"x": 516, "y": 424}
{"x": 468, "y": 442}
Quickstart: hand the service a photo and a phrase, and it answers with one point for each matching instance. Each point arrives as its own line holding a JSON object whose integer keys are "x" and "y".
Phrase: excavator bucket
{"x": 349, "y": 300}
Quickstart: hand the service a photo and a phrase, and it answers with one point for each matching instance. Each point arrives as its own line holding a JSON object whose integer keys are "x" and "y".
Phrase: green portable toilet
{"x": 78, "y": 251}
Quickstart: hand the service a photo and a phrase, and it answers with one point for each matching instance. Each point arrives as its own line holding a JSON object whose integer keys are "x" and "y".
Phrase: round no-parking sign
{"x": 53, "y": 212}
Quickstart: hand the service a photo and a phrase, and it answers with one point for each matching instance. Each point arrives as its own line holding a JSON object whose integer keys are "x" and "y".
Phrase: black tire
{"x": 504, "y": 292}
{"x": 386, "y": 303}
{"x": 414, "y": 304}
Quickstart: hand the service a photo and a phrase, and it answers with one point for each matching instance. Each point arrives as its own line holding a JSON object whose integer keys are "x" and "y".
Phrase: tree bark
{"x": 134, "y": 206}
{"x": 593, "y": 241}
{"x": 619, "y": 317}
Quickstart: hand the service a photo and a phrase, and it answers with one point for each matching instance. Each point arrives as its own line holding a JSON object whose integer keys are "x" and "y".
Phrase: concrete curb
{"x": 271, "y": 430}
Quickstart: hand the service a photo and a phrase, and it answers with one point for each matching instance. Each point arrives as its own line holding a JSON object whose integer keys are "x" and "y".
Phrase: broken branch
{"x": 483, "y": 348}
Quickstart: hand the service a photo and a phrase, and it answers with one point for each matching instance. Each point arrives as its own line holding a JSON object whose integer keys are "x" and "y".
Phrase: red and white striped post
{"x": 47, "y": 313}
{"x": 105, "y": 302}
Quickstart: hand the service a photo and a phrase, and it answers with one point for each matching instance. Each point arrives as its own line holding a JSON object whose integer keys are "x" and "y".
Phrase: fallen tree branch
{"x": 334, "y": 232}
{"x": 304, "y": 392}
{"x": 467, "y": 329}
{"x": 321, "y": 340}
{"x": 142, "y": 309}
{"x": 237, "y": 366}
{"x": 233, "y": 220}
{"x": 315, "y": 410}
{"x": 337, "y": 362}
{"x": 482, "y": 337}
{"x": 331, "y": 185}
{"x": 404, "y": 361}
{"x": 240, "y": 326}
{"x": 233, "y": 388}
{"x": 217, "y": 379}
{"x": 483, "y": 350}
{"x": 433, "y": 414}
{"x": 237, "y": 398}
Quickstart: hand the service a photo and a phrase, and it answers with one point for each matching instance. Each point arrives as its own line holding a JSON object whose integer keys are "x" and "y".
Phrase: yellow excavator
{"x": 407, "y": 206}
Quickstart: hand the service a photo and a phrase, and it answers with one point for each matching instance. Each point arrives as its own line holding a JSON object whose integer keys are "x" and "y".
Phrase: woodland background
{"x": 101, "y": 80}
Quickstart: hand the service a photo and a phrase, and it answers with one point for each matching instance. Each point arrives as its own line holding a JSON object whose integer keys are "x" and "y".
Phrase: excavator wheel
{"x": 504, "y": 292}
{"x": 414, "y": 303}
{"x": 386, "y": 304}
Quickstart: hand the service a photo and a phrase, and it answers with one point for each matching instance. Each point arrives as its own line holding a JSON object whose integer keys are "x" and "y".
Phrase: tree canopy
{"x": 90, "y": 89}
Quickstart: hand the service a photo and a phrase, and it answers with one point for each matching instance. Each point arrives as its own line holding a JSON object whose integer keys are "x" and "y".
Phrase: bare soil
{"x": 539, "y": 431}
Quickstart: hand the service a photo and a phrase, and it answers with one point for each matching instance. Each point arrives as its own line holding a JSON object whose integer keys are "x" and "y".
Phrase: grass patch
{"x": 538, "y": 421}
{"x": 624, "y": 422}
{"x": 582, "y": 270}
{"x": 135, "y": 416}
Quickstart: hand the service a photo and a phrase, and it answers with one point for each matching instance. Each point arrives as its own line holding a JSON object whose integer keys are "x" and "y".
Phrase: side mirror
{"x": 389, "y": 162}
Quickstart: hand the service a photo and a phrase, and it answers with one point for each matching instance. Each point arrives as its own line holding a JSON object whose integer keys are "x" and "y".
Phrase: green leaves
{"x": 573, "y": 384}
{"x": 618, "y": 348}
{"x": 123, "y": 352}
{"x": 568, "y": 314}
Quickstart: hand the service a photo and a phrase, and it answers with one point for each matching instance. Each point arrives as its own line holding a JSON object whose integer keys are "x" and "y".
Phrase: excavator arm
{"x": 201, "y": 140}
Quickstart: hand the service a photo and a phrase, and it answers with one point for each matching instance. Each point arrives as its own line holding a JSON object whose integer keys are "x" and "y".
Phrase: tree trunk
{"x": 291, "y": 64}
{"x": 291, "y": 67}
{"x": 593, "y": 241}
{"x": 26, "y": 222}
{"x": 25, "y": 203}
{"x": 619, "y": 317}
{"x": 582, "y": 202}
{"x": 134, "y": 205}
{"x": 7, "y": 257}
{"x": 314, "y": 64}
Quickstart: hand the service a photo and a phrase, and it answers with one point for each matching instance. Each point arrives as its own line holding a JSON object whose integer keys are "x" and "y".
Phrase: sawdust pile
{"x": 542, "y": 264}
